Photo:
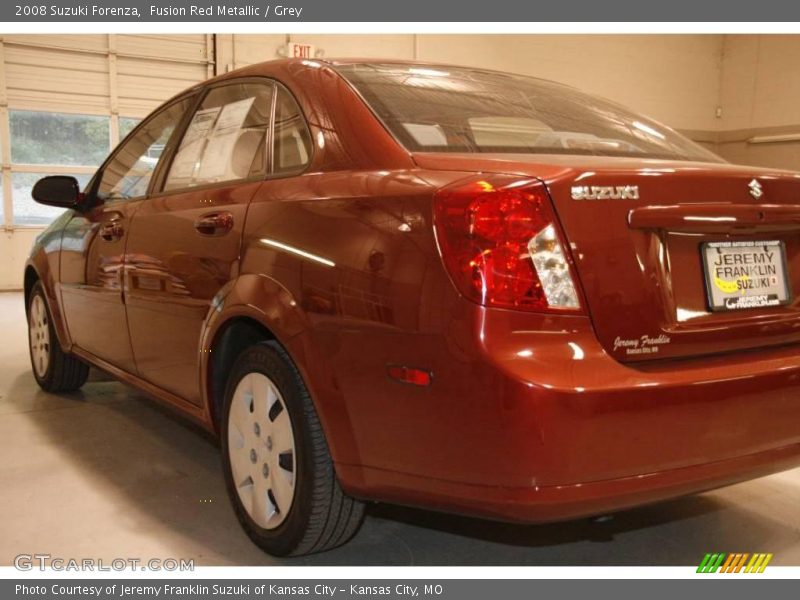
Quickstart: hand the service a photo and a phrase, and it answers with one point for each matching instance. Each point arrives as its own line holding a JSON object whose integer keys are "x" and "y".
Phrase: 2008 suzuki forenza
{"x": 430, "y": 285}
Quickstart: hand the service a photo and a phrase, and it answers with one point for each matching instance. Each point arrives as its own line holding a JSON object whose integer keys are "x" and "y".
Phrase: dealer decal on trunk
{"x": 642, "y": 345}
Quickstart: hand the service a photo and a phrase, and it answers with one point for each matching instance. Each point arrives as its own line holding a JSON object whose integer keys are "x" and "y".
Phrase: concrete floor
{"x": 107, "y": 473}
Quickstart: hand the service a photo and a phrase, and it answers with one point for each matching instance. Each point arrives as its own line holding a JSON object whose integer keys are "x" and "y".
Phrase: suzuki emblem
{"x": 756, "y": 191}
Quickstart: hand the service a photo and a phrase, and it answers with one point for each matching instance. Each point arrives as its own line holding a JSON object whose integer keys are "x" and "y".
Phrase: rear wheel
{"x": 278, "y": 470}
{"x": 54, "y": 370}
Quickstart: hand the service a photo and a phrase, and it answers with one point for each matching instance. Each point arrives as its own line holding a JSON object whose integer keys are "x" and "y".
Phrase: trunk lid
{"x": 638, "y": 232}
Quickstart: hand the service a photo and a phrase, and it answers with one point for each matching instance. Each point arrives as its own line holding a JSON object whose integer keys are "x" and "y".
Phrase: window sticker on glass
{"x": 219, "y": 150}
{"x": 222, "y": 142}
{"x": 217, "y": 155}
{"x": 233, "y": 115}
{"x": 201, "y": 124}
{"x": 188, "y": 157}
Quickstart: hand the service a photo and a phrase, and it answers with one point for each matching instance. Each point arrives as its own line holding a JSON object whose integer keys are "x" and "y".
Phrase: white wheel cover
{"x": 39, "y": 336}
{"x": 261, "y": 450}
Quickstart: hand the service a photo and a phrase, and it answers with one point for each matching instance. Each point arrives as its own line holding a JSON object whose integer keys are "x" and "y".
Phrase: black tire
{"x": 63, "y": 372}
{"x": 321, "y": 516}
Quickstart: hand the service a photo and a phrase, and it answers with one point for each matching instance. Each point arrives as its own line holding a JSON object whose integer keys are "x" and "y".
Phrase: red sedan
{"x": 430, "y": 285}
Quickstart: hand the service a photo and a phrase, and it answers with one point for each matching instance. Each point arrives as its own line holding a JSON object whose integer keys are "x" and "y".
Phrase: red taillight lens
{"x": 498, "y": 237}
{"x": 510, "y": 215}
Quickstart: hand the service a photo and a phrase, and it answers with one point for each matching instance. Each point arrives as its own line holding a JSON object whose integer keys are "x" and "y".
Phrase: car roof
{"x": 271, "y": 66}
{"x": 287, "y": 66}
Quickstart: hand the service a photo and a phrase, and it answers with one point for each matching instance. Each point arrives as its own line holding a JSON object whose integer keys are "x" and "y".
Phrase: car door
{"x": 94, "y": 242}
{"x": 185, "y": 240}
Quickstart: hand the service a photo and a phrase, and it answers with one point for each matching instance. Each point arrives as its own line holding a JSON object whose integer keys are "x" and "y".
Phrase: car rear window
{"x": 456, "y": 109}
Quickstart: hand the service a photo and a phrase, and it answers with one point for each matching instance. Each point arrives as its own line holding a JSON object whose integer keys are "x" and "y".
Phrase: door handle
{"x": 214, "y": 223}
{"x": 111, "y": 231}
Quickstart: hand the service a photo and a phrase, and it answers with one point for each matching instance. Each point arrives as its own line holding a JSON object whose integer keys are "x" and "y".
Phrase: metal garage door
{"x": 96, "y": 85}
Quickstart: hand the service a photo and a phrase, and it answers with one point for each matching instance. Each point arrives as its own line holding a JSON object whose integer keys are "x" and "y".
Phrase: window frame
{"x": 311, "y": 146}
{"x": 92, "y": 187}
{"x": 162, "y": 169}
{"x": 163, "y": 172}
{"x": 195, "y": 95}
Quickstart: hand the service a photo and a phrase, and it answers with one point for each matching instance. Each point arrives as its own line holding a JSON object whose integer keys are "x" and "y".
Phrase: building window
{"x": 126, "y": 125}
{"x": 45, "y": 138}
{"x": 51, "y": 143}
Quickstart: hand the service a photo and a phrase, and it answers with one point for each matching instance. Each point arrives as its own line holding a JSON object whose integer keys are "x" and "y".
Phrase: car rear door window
{"x": 127, "y": 175}
{"x": 226, "y": 137}
{"x": 292, "y": 140}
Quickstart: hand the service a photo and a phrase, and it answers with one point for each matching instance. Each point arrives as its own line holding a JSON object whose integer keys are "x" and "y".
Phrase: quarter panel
{"x": 355, "y": 250}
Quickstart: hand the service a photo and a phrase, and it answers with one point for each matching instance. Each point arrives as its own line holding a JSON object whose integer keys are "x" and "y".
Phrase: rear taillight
{"x": 501, "y": 245}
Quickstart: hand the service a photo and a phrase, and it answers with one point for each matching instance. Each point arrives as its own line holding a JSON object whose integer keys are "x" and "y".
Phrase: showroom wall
{"x": 759, "y": 96}
{"x": 95, "y": 87}
{"x": 722, "y": 90}
{"x": 674, "y": 79}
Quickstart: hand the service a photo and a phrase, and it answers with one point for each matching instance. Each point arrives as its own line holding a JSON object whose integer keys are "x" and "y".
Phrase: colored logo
{"x": 734, "y": 563}
{"x": 730, "y": 287}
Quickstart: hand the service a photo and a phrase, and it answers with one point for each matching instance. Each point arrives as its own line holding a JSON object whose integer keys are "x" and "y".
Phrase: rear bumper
{"x": 539, "y": 423}
{"x": 596, "y": 419}
{"x": 542, "y": 504}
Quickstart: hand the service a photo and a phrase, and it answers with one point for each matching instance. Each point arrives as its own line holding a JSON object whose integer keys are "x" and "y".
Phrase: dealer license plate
{"x": 741, "y": 275}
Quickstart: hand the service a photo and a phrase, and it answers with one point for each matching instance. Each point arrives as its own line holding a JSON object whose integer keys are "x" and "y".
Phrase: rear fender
{"x": 265, "y": 301}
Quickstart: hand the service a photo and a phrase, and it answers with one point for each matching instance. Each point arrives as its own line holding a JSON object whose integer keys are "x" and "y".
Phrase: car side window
{"x": 226, "y": 138}
{"x": 128, "y": 173}
{"x": 292, "y": 147}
